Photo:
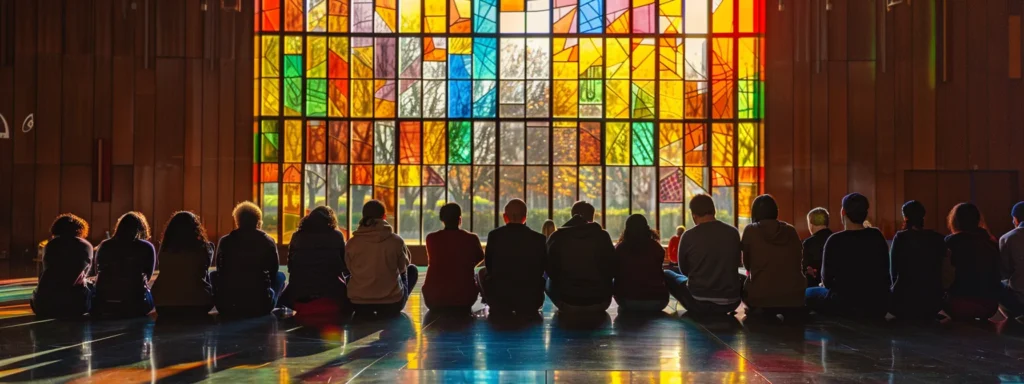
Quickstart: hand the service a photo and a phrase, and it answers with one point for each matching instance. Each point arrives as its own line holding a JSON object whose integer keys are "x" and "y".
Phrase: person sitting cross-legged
{"x": 708, "y": 280}
{"x": 247, "y": 281}
{"x": 183, "y": 288}
{"x": 639, "y": 285}
{"x": 855, "y": 268}
{"x": 512, "y": 280}
{"x": 316, "y": 266}
{"x": 814, "y": 246}
{"x": 63, "y": 290}
{"x": 1011, "y": 249}
{"x": 772, "y": 254}
{"x": 580, "y": 263}
{"x": 124, "y": 265}
{"x": 917, "y": 257}
{"x": 383, "y": 275}
{"x": 452, "y": 256}
{"x": 974, "y": 255}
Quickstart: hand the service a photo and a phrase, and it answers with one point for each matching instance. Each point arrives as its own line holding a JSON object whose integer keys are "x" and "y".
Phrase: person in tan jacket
{"x": 773, "y": 257}
{"x": 382, "y": 273}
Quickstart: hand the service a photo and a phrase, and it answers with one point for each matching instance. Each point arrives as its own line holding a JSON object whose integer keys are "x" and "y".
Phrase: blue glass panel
{"x": 459, "y": 98}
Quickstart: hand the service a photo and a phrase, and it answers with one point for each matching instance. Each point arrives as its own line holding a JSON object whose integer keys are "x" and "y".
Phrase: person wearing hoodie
{"x": 974, "y": 255}
{"x": 452, "y": 256}
{"x": 917, "y": 258}
{"x": 513, "y": 277}
{"x": 1011, "y": 249}
{"x": 247, "y": 281}
{"x": 580, "y": 263}
{"x": 316, "y": 263}
{"x": 124, "y": 266}
{"x": 707, "y": 281}
{"x": 382, "y": 271}
{"x": 638, "y": 279}
{"x": 773, "y": 257}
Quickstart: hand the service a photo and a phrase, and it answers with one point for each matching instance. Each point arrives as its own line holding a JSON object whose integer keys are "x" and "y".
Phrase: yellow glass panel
{"x": 362, "y": 62}
{"x": 434, "y": 13}
{"x": 460, "y": 45}
{"x": 617, "y": 64}
{"x": 748, "y": 59}
{"x": 591, "y": 55}
{"x": 617, "y": 98}
{"x": 671, "y": 59}
{"x": 434, "y": 142}
{"x": 565, "y": 60}
{"x": 293, "y": 45}
{"x": 362, "y": 98}
{"x": 748, "y": 145}
{"x": 722, "y": 145}
{"x": 459, "y": 16}
{"x": 316, "y": 17}
{"x": 270, "y": 89}
{"x": 409, "y": 176}
{"x": 722, "y": 16}
{"x": 410, "y": 18}
{"x": 383, "y": 107}
{"x": 271, "y": 66}
{"x": 385, "y": 10}
{"x": 670, "y": 142}
{"x": 643, "y": 58}
{"x": 316, "y": 56}
{"x": 617, "y": 144}
{"x": 292, "y": 141}
{"x": 566, "y": 95}
{"x": 384, "y": 176}
{"x": 670, "y": 99}
{"x": 670, "y": 18}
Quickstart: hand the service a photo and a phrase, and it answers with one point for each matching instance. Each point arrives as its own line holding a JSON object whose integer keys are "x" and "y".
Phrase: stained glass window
{"x": 635, "y": 106}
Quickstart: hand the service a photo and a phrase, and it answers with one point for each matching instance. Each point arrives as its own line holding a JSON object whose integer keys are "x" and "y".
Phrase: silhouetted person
{"x": 247, "y": 281}
{"x": 316, "y": 264}
{"x": 917, "y": 256}
{"x": 63, "y": 290}
{"x": 639, "y": 282}
{"x": 548, "y": 228}
{"x": 580, "y": 263}
{"x": 974, "y": 255}
{"x": 124, "y": 265}
{"x": 773, "y": 256}
{"x": 513, "y": 277}
{"x": 708, "y": 280}
{"x": 855, "y": 267}
{"x": 814, "y": 246}
{"x": 383, "y": 275}
{"x": 183, "y": 287}
{"x": 672, "y": 251}
{"x": 1011, "y": 248}
{"x": 452, "y": 256}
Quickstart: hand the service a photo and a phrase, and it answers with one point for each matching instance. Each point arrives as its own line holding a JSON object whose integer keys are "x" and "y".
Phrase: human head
{"x": 855, "y": 208}
{"x": 702, "y": 208}
{"x": 132, "y": 225}
{"x": 913, "y": 215}
{"x": 548, "y": 228}
{"x": 817, "y": 219}
{"x": 320, "y": 219}
{"x": 637, "y": 229}
{"x": 583, "y": 209}
{"x": 69, "y": 225}
{"x": 679, "y": 230}
{"x": 184, "y": 231}
{"x": 764, "y": 208}
{"x": 964, "y": 217}
{"x": 451, "y": 215}
{"x": 515, "y": 212}
{"x": 1018, "y": 214}
{"x": 247, "y": 216}
{"x": 372, "y": 210}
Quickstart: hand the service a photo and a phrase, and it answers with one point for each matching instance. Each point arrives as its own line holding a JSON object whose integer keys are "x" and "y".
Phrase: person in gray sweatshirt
{"x": 707, "y": 281}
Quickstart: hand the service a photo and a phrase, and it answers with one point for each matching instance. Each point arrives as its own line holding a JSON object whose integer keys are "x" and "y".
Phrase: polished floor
{"x": 421, "y": 347}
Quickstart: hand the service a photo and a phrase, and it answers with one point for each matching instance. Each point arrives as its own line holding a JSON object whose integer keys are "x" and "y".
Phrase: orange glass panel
{"x": 409, "y": 143}
{"x": 362, "y": 142}
{"x": 338, "y": 142}
{"x": 316, "y": 146}
{"x": 293, "y": 15}
{"x": 590, "y": 143}
{"x": 694, "y": 145}
{"x": 293, "y": 173}
{"x": 362, "y": 175}
{"x": 269, "y": 172}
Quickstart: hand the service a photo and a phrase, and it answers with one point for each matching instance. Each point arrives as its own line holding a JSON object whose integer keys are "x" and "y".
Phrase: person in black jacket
{"x": 974, "y": 255}
{"x": 513, "y": 277}
{"x": 316, "y": 261}
{"x": 63, "y": 290}
{"x": 247, "y": 281}
{"x": 581, "y": 263}
{"x": 124, "y": 265}
{"x": 917, "y": 255}
{"x": 814, "y": 246}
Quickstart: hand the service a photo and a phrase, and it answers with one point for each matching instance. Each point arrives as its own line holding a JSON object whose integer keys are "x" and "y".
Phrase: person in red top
{"x": 639, "y": 257}
{"x": 672, "y": 252}
{"x": 452, "y": 254}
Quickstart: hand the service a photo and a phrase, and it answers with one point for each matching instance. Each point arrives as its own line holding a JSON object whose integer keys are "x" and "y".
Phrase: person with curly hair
{"x": 974, "y": 254}
{"x": 183, "y": 287}
{"x": 63, "y": 290}
{"x": 124, "y": 265}
{"x": 316, "y": 265}
{"x": 247, "y": 281}
{"x": 639, "y": 282}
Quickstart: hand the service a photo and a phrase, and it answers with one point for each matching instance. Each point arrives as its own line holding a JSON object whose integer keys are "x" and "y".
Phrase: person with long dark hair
{"x": 383, "y": 274}
{"x": 639, "y": 279}
{"x": 247, "y": 281}
{"x": 1011, "y": 248}
{"x": 974, "y": 255}
{"x": 316, "y": 265}
{"x": 452, "y": 256}
{"x": 63, "y": 290}
{"x": 773, "y": 256}
{"x": 124, "y": 265}
{"x": 916, "y": 256}
{"x": 183, "y": 287}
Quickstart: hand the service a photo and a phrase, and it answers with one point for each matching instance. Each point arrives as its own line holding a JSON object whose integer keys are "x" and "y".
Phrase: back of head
{"x": 637, "y": 230}
{"x": 515, "y": 211}
{"x": 702, "y": 205}
{"x": 320, "y": 219}
{"x": 764, "y": 208}
{"x": 450, "y": 215}
{"x": 69, "y": 225}
{"x": 549, "y": 227}
{"x": 132, "y": 225}
{"x": 584, "y": 210}
{"x": 679, "y": 230}
{"x": 372, "y": 210}
{"x": 1018, "y": 212}
{"x": 818, "y": 217}
{"x": 913, "y": 215}
{"x": 856, "y": 206}
{"x": 184, "y": 231}
{"x": 247, "y": 215}
{"x": 964, "y": 217}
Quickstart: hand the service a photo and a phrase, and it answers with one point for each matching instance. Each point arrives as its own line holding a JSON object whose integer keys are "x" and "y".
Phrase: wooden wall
{"x": 856, "y": 96}
{"x": 166, "y": 84}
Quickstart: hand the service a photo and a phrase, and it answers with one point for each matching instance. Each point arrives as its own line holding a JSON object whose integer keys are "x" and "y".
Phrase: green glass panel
{"x": 269, "y": 126}
{"x": 293, "y": 95}
{"x": 269, "y": 149}
{"x": 459, "y": 142}
{"x": 292, "y": 66}
{"x": 316, "y": 97}
{"x": 643, "y": 143}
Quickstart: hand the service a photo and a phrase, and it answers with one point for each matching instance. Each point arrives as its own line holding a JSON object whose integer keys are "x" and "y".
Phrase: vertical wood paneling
{"x": 102, "y": 100}
{"x": 194, "y": 29}
{"x": 837, "y": 113}
{"x": 886, "y": 212}
{"x": 951, "y": 98}
{"x": 6, "y": 151}
{"x": 903, "y": 96}
{"x": 77, "y": 108}
{"x": 779, "y": 142}
{"x": 977, "y": 102}
{"x": 79, "y": 31}
{"x": 50, "y": 27}
{"x": 75, "y": 180}
{"x": 122, "y": 195}
{"x": 243, "y": 105}
{"x": 801, "y": 104}
{"x": 998, "y": 147}
{"x": 144, "y": 159}
{"x": 24, "y": 89}
{"x": 924, "y": 78}
{"x": 837, "y": 29}
{"x": 211, "y": 135}
{"x": 47, "y": 199}
{"x": 226, "y": 126}
{"x": 1015, "y": 90}
{"x": 862, "y": 32}
{"x": 168, "y": 189}
{"x": 953, "y": 187}
{"x": 170, "y": 27}
{"x": 193, "y": 137}
{"x": 861, "y": 139}
{"x": 48, "y": 109}
{"x": 23, "y": 218}
{"x": 923, "y": 187}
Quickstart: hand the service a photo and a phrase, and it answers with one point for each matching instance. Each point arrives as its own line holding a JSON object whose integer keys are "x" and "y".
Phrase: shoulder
{"x": 1016, "y": 234}
{"x": 146, "y": 245}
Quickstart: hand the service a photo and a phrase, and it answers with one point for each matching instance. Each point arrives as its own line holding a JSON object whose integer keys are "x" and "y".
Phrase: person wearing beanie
{"x": 917, "y": 257}
{"x": 1011, "y": 249}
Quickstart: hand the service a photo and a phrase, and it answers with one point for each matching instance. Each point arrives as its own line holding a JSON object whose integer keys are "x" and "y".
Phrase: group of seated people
{"x": 853, "y": 272}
